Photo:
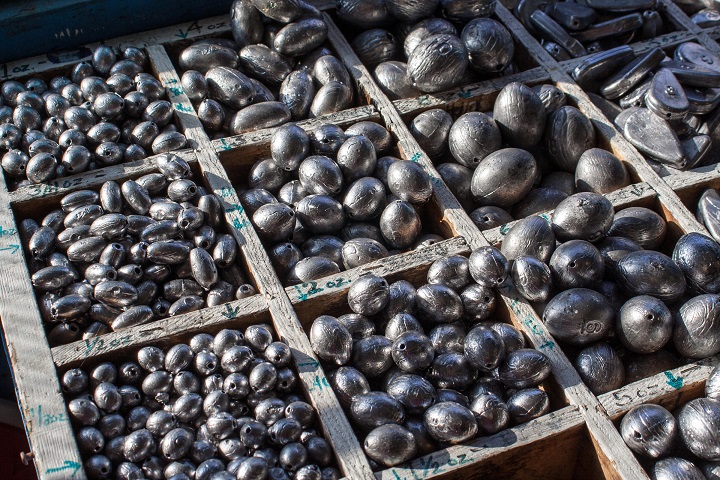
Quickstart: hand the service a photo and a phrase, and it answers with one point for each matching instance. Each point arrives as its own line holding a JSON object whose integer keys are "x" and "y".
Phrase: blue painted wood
{"x": 33, "y": 27}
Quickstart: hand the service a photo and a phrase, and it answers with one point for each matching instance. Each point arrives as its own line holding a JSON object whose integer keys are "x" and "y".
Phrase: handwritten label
{"x": 7, "y": 233}
{"x": 464, "y": 94}
{"x": 240, "y": 224}
{"x": 225, "y": 145}
{"x": 673, "y": 381}
{"x": 529, "y": 320}
{"x": 313, "y": 364}
{"x": 40, "y": 417}
{"x": 319, "y": 383}
{"x": 196, "y": 27}
{"x": 97, "y": 345}
{"x": 12, "y": 248}
{"x": 504, "y": 229}
{"x": 44, "y": 189}
{"x": 309, "y": 289}
{"x": 416, "y": 156}
{"x": 436, "y": 464}
{"x": 67, "y": 465}
{"x": 226, "y": 192}
{"x": 230, "y": 312}
{"x": 175, "y": 91}
{"x": 234, "y": 207}
{"x": 424, "y": 100}
{"x": 6, "y": 72}
{"x": 182, "y": 108}
{"x": 626, "y": 397}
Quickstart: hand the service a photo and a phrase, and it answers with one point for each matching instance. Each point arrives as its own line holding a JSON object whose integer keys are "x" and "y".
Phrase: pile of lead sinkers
{"x": 325, "y": 202}
{"x": 274, "y": 70}
{"x": 106, "y": 112}
{"x": 424, "y": 52}
{"x": 686, "y": 445}
{"x": 420, "y": 369}
{"x": 523, "y": 158}
{"x": 665, "y": 104}
{"x": 572, "y": 30}
{"x": 623, "y": 310}
{"x": 131, "y": 253}
{"x": 223, "y": 407}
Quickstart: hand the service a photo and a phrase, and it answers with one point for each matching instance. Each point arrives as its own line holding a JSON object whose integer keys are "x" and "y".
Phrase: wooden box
{"x": 579, "y": 439}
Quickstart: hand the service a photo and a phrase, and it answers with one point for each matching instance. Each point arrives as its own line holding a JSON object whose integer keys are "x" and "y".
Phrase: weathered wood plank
{"x": 89, "y": 180}
{"x": 253, "y": 144}
{"x": 240, "y": 312}
{"x": 349, "y": 454}
{"x": 633, "y": 195}
{"x": 47, "y": 422}
{"x": 312, "y": 299}
{"x": 544, "y": 448}
{"x": 670, "y": 389}
{"x": 466, "y": 97}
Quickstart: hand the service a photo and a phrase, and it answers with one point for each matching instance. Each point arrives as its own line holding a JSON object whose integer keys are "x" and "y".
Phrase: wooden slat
{"x": 467, "y": 95}
{"x": 632, "y": 195}
{"x": 47, "y": 423}
{"x": 93, "y": 179}
{"x": 312, "y": 299}
{"x": 543, "y": 448}
{"x": 350, "y": 455}
{"x": 671, "y": 388}
{"x": 251, "y": 143}
{"x": 235, "y": 314}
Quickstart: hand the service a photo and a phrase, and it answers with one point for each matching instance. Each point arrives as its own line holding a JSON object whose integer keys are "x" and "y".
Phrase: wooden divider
{"x": 581, "y": 438}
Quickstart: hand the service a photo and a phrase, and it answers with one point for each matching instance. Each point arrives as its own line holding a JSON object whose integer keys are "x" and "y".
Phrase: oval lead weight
{"x": 666, "y": 96}
{"x": 631, "y": 74}
{"x": 572, "y": 16}
{"x": 550, "y": 29}
{"x": 693, "y": 75}
{"x": 655, "y": 137}
{"x": 203, "y": 268}
{"x": 613, "y": 27}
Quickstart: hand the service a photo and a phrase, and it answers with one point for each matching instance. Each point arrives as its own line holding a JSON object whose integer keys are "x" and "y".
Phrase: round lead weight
{"x": 672, "y": 468}
{"x": 390, "y": 445}
{"x": 331, "y": 340}
{"x": 530, "y": 236}
{"x": 532, "y": 278}
{"x": 503, "y": 177}
{"x": 520, "y": 115}
{"x": 697, "y": 322}
{"x": 584, "y": 216}
{"x": 491, "y": 413}
{"x": 450, "y": 422}
{"x": 699, "y": 422}
{"x": 484, "y": 348}
{"x": 439, "y": 304}
{"x": 600, "y": 368}
{"x": 652, "y": 273}
{"x": 437, "y": 63}
{"x": 488, "y": 267}
{"x": 649, "y": 430}
{"x": 644, "y": 324}
{"x": 368, "y": 295}
{"x": 579, "y": 316}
